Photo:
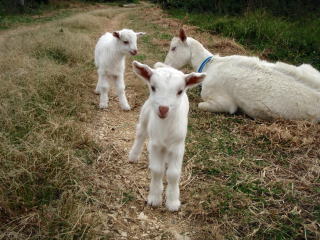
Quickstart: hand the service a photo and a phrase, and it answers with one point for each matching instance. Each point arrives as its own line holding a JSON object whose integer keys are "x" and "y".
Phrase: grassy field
{"x": 43, "y": 149}
{"x": 295, "y": 41}
{"x": 57, "y": 9}
{"x": 63, "y": 163}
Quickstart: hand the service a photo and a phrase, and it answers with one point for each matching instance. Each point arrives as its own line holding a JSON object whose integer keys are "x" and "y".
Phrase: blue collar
{"x": 204, "y": 63}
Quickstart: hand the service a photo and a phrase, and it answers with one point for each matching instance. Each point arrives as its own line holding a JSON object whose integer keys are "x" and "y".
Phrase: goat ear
{"x": 142, "y": 70}
{"x": 116, "y": 34}
{"x": 139, "y": 34}
{"x": 182, "y": 35}
{"x": 193, "y": 79}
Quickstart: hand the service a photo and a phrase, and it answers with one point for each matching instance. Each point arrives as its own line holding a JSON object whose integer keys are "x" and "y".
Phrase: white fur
{"x": 166, "y": 135}
{"x": 261, "y": 89}
{"x": 110, "y": 55}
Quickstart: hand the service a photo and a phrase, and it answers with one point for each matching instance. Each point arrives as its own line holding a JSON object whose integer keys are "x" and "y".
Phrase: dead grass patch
{"x": 161, "y": 43}
{"x": 292, "y": 137}
{"x": 102, "y": 13}
{"x": 258, "y": 178}
{"x": 82, "y": 22}
{"x": 45, "y": 154}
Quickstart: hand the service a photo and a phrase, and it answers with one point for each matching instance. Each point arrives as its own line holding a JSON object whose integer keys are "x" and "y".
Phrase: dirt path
{"x": 126, "y": 185}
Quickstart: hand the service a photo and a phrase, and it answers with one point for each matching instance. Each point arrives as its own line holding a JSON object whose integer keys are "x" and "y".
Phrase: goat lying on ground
{"x": 261, "y": 89}
{"x": 164, "y": 119}
{"x": 110, "y": 53}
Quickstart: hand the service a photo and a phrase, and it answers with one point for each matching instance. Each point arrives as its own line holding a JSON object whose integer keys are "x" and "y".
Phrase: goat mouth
{"x": 133, "y": 53}
{"x": 162, "y": 116}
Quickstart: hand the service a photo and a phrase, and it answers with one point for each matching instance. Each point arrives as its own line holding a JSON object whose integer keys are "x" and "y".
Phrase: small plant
{"x": 127, "y": 197}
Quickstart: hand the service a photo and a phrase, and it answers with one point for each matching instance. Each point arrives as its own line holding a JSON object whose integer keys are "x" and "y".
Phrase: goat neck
{"x": 198, "y": 53}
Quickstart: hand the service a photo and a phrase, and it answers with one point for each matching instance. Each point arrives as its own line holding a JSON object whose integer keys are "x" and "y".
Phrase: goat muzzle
{"x": 163, "y": 111}
{"x": 133, "y": 52}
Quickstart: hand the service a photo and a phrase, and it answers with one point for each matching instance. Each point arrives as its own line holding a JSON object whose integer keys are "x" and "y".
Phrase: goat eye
{"x": 153, "y": 88}
{"x": 179, "y": 92}
{"x": 173, "y": 49}
{"x": 125, "y": 42}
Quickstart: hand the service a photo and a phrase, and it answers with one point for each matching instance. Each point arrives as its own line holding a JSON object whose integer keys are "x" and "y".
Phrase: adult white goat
{"x": 164, "y": 119}
{"x": 110, "y": 53}
{"x": 261, "y": 89}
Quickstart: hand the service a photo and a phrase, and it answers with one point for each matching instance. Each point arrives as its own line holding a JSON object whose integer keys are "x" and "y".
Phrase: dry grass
{"x": 242, "y": 179}
{"x": 290, "y": 137}
{"x": 46, "y": 77}
{"x": 246, "y": 179}
{"x": 255, "y": 180}
{"x": 82, "y": 23}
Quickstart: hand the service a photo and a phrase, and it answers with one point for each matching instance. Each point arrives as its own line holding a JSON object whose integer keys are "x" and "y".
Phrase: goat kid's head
{"x": 179, "y": 53}
{"x": 167, "y": 86}
{"x": 127, "y": 40}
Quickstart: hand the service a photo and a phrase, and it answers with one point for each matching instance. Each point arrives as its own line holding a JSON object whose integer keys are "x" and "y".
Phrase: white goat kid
{"x": 261, "y": 89}
{"x": 164, "y": 119}
{"x": 110, "y": 53}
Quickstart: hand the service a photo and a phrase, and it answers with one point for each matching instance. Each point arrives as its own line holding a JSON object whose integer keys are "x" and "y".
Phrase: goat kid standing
{"x": 261, "y": 89}
{"x": 110, "y": 53}
{"x": 164, "y": 119}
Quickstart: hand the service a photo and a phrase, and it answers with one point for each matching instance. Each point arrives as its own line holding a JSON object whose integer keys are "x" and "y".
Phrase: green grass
{"x": 41, "y": 13}
{"x": 37, "y": 14}
{"x": 276, "y": 38}
{"x": 9, "y": 21}
{"x": 154, "y": 32}
{"x": 127, "y": 197}
{"x": 140, "y": 57}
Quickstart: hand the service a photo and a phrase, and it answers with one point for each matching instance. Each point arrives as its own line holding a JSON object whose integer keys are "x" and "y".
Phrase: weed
{"x": 127, "y": 197}
{"x": 140, "y": 57}
{"x": 55, "y": 54}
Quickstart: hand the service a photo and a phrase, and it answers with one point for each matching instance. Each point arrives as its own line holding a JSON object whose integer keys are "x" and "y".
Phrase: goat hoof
{"x": 173, "y": 205}
{"x": 133, "y": 160}
{"x": 154, "y": 200}
{"x": 126, "y": 108}
{"x": 103, "y": 105}
{"x": 133, "y": 157}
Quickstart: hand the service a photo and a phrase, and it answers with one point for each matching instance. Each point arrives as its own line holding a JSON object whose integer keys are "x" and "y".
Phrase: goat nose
{"x": 134, "y": 52}
{"x": 163, "y": 110}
